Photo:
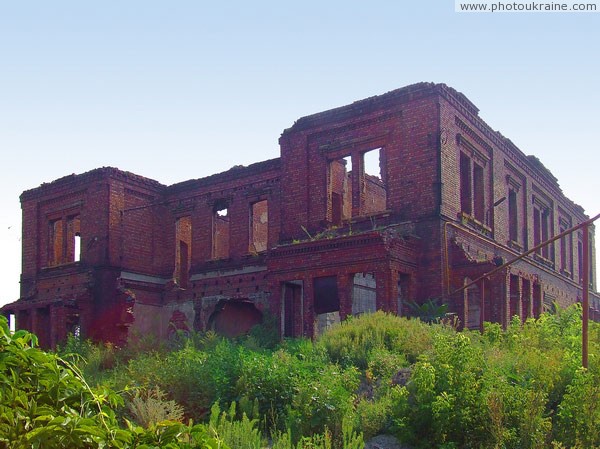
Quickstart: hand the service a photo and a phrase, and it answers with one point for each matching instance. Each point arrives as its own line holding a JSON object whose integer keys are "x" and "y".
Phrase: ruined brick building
{"x": 401, "y": 197}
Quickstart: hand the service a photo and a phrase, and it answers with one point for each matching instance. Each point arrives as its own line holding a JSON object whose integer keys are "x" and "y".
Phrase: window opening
{"x": 77, "y": 246}
{"x": 515, "y": 296}
{"x": 472, "y": 188}
{"x": 513, "y": 218}
{"x": 73, "y": 239}
{"x": 12, "y": 323}
{"x": 565, "y": 244}
{"x": 364, "y": 293}
{"x": 472, "y": 306}
{"x": 326, "y": 303}
{"x": 527, "y": 304}
{"x": 183, "y": 244}
{"x": 374, "y": 198}
{"x": 291, "y": 308}
{"x": 478, "y": 193}
{"x": 403, "y": 291}
{"x": 56, "y": 242}
{"x": 537, "y": 229}
{"x": 545, "y": 234}
{"x": 465, "y": 184}
{"x": 340, "y": 189}
{"x": 259, "y": 226}
{"x": 221, "y": 232}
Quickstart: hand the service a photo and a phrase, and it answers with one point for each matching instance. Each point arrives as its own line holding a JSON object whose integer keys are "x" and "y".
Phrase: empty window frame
{"x": 356, "y": 185}
{"x": 513, "y": 217}
{"x": 478, "y": 193}
{"x": 259, "y": 226}
{"x": 55, "y": 242}
{"x": 472, "y": 188}
{"x": 364, "y": 293}
{"x": 466, "y": 185}
{"x": 292, "y": 308}
{"x": 220, "y": 235}
{"x": 183, "y": 245}
{"x": 64, "y": 240}
{"x": 403, "y": 292}
{"x": 542, "y": 229}
{"x": 326, "y": 303}
{"x": 566, "y": 245}
{"x": 515, "y": 195}
{"x": 590, "y": 259}
{"x": 73, "y": 240}
{"x": 472, "y": 300}
{"x": 374, "y": 193}
{"x": 340, "y": 189}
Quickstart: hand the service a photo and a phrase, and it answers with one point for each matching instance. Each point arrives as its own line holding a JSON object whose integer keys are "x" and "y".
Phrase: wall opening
{"x": 566, "y": 252}
{"x": 537, "y": 300}
{"x": 478, "y": 193}
{"x": 64, "y": 240}
{"x": 42, "y": 327}
{"x": 403, "y": 292}
{"x": 364, "y": 293}
{"x": 183, "y": 245}
{"x": 472, "y": 300}
{"x": 259, "y": 226}
{"x": 515, "y": 297}
{"x": 55, "y": 238}
{"x": 233, "y": 318}
{"x": 291, "y": 308}
{"x": 526, "y": 304}
{"x": 465, "y": 184}
{"x": 73, "y": 239}
{"x": 12, "y": 323}
{"x": 73, "y": 324}
{"x": 363, "y": 172}
{"x": 326, "y": 303}
{"x": 340, "y": 190}
{"x": 513, "y": 217}
{"x": 220, "y": 240}
{"x": 77, "y": 248}
{"x": 374, "y": 192}
{"x": 542, "y": 229}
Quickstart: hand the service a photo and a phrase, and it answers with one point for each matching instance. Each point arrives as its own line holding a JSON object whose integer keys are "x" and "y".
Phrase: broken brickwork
{"x": 394, "y": 199}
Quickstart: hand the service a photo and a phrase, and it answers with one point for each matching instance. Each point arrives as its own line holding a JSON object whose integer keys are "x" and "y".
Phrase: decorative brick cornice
{"x": 326, "y": 245}
{"x": 479, "y": 157}
{"x": 473, "y": 135}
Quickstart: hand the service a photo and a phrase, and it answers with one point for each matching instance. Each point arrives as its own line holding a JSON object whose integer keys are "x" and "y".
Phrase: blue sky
{"x": 177, "y": 89}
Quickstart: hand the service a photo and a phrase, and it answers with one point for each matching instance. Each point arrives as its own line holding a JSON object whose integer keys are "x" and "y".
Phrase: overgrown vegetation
{"x": 428, "y": 385}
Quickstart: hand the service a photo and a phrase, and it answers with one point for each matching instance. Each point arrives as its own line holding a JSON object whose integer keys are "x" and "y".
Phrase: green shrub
{"x": 322, "y": 400}
{"x": 271, "y": 380}
{"x": 236, "y": 433}
{"x": 149, "y": 407}
{"x": 381, "y": 414}
{"x": 578, "y": 421}
{"x": 352, "y": 342}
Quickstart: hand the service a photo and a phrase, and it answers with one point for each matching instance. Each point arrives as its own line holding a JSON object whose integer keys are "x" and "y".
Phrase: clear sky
{"x": 181, "y": 89}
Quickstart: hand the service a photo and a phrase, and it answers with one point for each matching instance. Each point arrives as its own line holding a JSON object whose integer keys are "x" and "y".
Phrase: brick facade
{"x": 397, "y": 198}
